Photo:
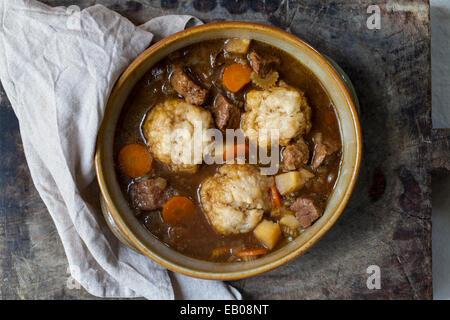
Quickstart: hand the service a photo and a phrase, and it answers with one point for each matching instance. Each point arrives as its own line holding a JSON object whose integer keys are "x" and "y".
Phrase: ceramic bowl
{"x": 115, "y": 207}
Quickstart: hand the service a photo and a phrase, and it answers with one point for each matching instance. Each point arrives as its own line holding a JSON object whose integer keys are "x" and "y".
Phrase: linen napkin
{"x": 440, "y": 63}
{"x": 58, "y": 66}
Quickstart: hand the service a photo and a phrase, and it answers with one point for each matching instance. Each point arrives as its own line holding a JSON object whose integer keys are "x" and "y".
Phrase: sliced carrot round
{"x": 177, "y": 209}
{"x": 251, "y": 252}
{"x": 134, "y": 160}
{"x": 236, "y": 76}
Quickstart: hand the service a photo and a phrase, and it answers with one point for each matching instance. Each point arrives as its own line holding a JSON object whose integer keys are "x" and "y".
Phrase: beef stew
{"x": 228, "y": 212}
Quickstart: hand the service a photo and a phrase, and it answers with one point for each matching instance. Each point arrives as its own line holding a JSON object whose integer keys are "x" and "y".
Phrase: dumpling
{"x": 235, "y": 198}
{"x": 170, "y": 128}
{"x": 283, "y": 108}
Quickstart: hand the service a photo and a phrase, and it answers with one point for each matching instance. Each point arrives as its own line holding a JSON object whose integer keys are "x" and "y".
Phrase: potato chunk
{"x": 268, "y": 232}
{"x": 306, "y": 175}
{"x": 238, "y": 46}
{"x": 279, "y": 212}
{"x": 292, "y": 181}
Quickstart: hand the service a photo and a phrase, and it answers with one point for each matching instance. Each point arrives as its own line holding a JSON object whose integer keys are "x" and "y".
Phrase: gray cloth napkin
{"x": 440, "y": 83}
{"x": 58, "y": 66}
{"x": 440, "y": 63}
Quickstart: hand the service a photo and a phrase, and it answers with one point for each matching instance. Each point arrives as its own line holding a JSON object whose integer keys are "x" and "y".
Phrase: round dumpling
{"x": 176, "y": 133}
{"x": 282, "y": 108}
{"x": 235, "y": 198}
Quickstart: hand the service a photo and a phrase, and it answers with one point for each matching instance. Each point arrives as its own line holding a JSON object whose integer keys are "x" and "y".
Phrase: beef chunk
{"x": 295, "y": 155}
{"x": 184, "y": 85}
{"x": 320, "y": 152}
{"x": 305, "y": 211}
{"x": 226, "y": 114}
{"x": 150, "y": 194}
{"x": 177, "y": 237}
{"x": 262, "y": 65}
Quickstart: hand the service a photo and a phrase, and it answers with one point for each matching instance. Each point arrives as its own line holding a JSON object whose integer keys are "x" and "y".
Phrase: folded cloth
{"x": 58, "y": 66}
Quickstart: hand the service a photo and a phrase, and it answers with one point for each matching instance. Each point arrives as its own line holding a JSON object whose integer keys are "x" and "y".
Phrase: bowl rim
{"x": 232, "y": 275}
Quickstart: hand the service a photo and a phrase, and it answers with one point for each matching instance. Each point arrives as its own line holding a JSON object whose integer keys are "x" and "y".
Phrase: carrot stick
{"x": 233, "y": 151}
{"x": 236, "y": 76}
{"x": 251, "y": 252}
{"x": 275, "y": 196}
{"x": 177, "y": 209}
{"x": 134, "y": 160}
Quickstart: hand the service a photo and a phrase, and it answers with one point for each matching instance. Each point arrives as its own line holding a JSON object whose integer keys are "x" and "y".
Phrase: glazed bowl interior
{"x": 142, "y": 239}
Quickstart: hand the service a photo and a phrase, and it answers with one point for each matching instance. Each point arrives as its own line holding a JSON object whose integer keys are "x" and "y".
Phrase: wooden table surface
{"x": 388, "y": 219}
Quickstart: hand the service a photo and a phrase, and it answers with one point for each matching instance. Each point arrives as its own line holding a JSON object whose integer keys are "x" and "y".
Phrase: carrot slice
{"x": 275, "y": 196}
{"x": 251, "y": 252}
{"x": 236, "y": 76}
{"x": 233, "y": 151}
{"x": 177, "y": 209}
{"x": 134, "y": 160}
